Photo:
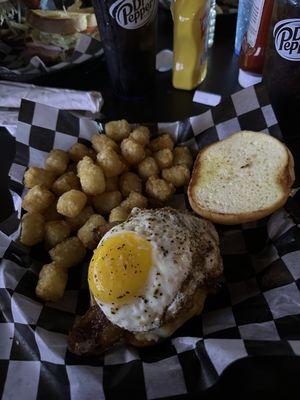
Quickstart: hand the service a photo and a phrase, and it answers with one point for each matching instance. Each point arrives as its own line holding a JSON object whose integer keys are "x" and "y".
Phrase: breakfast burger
{"x": 147, "y": 277}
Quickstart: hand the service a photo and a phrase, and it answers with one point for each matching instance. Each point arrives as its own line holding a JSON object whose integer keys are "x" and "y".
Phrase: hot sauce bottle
{"x": 255, "y": 42}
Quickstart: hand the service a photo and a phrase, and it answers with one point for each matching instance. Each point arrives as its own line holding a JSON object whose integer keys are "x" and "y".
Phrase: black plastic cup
{"x": 128, "y": 32}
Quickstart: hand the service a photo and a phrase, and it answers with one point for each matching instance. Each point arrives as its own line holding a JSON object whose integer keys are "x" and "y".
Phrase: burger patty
{"x": 93, "y": 333}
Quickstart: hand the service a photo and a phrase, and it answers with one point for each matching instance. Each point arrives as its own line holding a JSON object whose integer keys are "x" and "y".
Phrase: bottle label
{"x": 132, "y": 14}
{"x": 254, "y": 23}
{"x": 287, "y": 39}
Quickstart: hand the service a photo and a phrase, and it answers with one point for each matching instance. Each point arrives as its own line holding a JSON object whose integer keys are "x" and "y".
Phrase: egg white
{"x": 173, "y": 237}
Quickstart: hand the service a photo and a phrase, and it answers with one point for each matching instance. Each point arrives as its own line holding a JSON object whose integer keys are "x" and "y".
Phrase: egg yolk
{"x": 119, "y": 268}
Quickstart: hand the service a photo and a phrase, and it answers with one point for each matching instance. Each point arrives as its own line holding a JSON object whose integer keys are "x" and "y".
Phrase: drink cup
{"x": 128, "y": 32}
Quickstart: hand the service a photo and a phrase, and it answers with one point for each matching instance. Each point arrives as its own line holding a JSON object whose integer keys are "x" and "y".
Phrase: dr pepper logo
{"x": 132, "y": 14}
{"x": 287, "y": 39}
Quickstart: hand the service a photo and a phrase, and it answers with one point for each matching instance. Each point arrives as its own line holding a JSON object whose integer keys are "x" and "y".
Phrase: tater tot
{"x": 112, "y": 184}
{"x": 65, "y": 182}
{"x": 86, "y": 232}
{"x": 159, "y": 189}
{"x": 101, "y": 141}
{"x": 71, "y": 203}
{"x": 51, "y": 213}
{"x": 77, "y": 222}
{"x": 132, "y": 151}
{"x": 162, "y": 142}
{"x": 56, "y": 232}
{"x": 117, "y": 130}
{"x": 118, "y": 214}
{"x": 183, "y": 156}
{"x": 179, "y": 175}
{"x": 134, "y": 200}
{"x": 130, "y": 182}
{"x": 105, "y": 202}
{"x": 38, "y": 199}
{"x": 57, "y": 161}
{"x": 69, "y": 252}
{"x": 32, "y": 229}
{"x": 52, "y": 282}
{"x": 91, "y": 176}
{"x": 110, "y": 162}
{"x": 38, "y": 176}
{"x": 148, "y": 167}
{"x": 164, "y": 158}
{"x": 79, "y": 150}
{"x": 141, "y": 135}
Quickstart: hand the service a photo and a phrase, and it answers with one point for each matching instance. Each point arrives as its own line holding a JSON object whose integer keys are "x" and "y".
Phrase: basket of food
{"x": 144, "y": 254}
{"x": 45, "y": 41}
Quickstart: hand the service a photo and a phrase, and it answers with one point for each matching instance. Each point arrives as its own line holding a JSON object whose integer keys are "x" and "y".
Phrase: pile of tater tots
{"x": 83, "y": 188}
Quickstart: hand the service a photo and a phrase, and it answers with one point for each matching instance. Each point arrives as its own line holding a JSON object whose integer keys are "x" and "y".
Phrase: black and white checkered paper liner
{"x": 86, "y": 49}
{"x": 256, "y": 311}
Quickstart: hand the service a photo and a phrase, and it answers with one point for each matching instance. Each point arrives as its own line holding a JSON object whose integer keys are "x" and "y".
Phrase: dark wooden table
{"x": 166, "y": 103}
{"x": 272, "y": 377}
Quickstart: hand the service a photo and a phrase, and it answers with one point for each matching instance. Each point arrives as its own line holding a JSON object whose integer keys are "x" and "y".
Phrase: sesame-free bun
{"x": 242, "y": 178}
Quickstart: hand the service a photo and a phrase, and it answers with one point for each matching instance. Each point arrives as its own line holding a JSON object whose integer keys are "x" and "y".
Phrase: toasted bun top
{"x": 60, "y": 22}
{"x": 242, "y": 178}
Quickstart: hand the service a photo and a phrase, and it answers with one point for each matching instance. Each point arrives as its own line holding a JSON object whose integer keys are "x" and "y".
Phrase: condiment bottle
{"x": 190, "y": 42}
{"x": 242, "y": 23}
{"x": 282, "y": 65}
{"x": 255, "y": 42}
{"x": 212, "y": 22}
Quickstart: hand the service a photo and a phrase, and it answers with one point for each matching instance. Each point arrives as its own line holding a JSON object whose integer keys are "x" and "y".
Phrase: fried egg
{"x": 147, "y": 269}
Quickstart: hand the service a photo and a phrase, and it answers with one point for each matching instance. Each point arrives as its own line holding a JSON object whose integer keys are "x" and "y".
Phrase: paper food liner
{"x": 255, "y": 313}
{"x": 86, "y": 48}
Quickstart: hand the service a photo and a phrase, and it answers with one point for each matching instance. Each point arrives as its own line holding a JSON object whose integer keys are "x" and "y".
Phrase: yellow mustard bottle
{"x": 190, "y": 42}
